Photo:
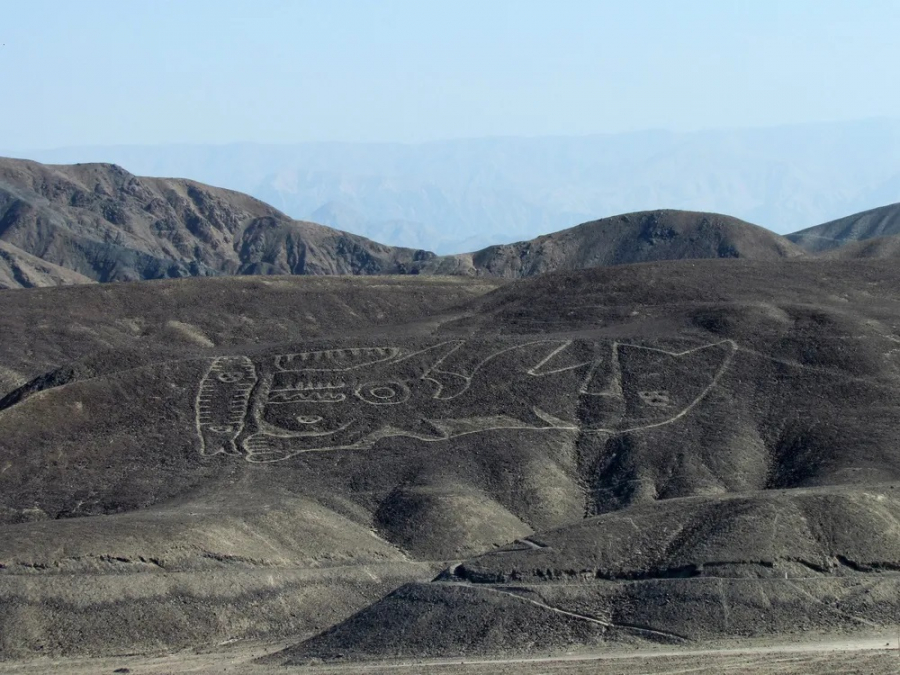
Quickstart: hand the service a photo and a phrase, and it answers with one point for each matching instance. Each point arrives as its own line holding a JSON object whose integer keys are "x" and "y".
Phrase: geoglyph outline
{"x": 255, "y": 447}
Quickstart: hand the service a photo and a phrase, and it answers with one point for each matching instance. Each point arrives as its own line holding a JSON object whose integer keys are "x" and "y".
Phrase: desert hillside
{"x": 669, "y": 452}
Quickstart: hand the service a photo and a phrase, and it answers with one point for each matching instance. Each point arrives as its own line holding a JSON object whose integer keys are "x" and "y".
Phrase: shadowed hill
{"x": 881, "y": 222}
{"x": 108, "y": 225}
{"x": 627, "y": 453}
{"x": 630, "y": 238}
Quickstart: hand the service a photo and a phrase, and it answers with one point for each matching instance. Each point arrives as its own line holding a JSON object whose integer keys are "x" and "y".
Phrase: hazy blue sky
{"x": 77, "y": 72}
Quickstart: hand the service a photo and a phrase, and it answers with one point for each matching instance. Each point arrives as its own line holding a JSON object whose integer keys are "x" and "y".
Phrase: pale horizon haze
{"x": 98, "y": 72}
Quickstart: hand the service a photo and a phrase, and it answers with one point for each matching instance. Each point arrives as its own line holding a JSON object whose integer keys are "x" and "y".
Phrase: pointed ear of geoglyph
{"x": 419, "y": 364}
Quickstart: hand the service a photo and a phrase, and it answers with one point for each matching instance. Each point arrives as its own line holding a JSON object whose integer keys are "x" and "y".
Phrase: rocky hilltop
{"x": 630, "y": 238}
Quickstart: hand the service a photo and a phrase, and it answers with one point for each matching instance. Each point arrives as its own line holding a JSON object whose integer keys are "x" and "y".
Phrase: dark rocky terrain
{"x": 666, "y": 452}
{"x": 630, "y": 238}
{"x": 865, "y": 235}
{"x": 104, "y": 224}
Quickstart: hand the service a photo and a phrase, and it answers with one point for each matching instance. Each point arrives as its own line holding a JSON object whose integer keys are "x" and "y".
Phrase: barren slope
{"x": 19, "y": 269}
{"x": 881, "y": 222}
{"x": 675, "y": 572}
{"x": 87, "y": 330}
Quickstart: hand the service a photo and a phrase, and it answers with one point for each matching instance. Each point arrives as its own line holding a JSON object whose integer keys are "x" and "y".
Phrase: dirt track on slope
{"x": 874, "y": 654}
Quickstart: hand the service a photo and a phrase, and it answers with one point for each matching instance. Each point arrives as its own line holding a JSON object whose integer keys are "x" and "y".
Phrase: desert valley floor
{"x": 831, "y": 655}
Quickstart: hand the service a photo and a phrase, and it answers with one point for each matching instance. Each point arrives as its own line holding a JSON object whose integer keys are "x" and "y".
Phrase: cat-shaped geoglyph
{"x": 345, "y": 399}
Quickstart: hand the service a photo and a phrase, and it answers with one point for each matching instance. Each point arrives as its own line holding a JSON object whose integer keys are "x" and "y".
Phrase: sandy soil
{"x": 877, "y": 654}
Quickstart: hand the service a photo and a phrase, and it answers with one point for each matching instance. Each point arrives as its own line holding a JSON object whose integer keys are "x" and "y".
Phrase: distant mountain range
{"x": 62, "y": 225}
{"x": 463, "y": 195}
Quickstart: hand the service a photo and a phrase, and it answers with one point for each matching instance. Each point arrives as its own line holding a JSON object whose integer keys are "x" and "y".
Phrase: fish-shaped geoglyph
{"x": 222, "y": 404}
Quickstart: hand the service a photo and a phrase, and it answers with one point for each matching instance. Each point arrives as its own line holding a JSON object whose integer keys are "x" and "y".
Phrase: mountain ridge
{"x": 106, "y": 224}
